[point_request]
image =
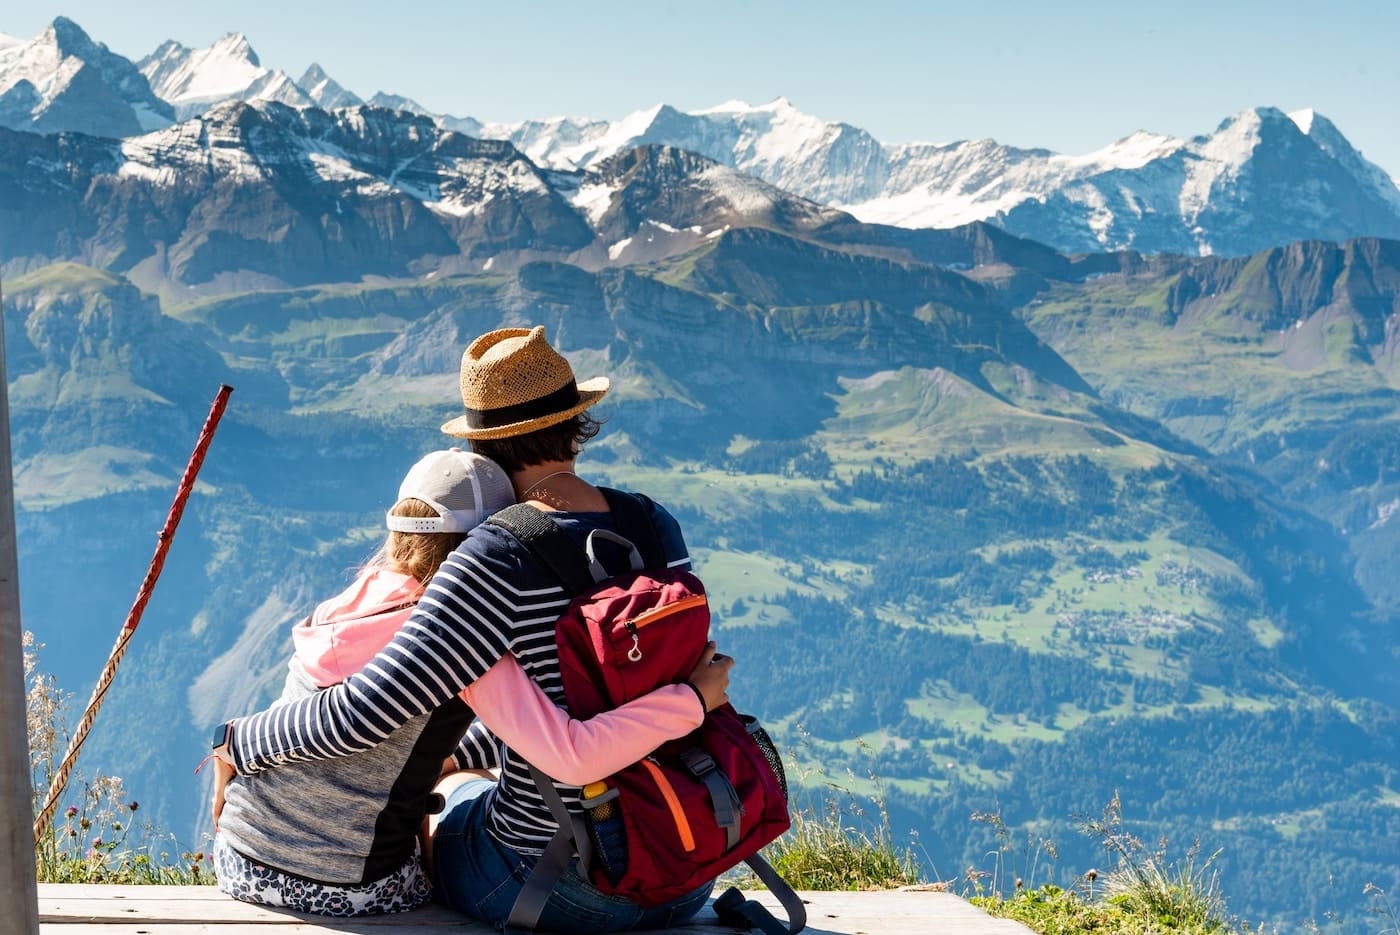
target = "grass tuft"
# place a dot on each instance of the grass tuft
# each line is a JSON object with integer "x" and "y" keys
{"x": 836, "y": 841}
{"x": 1146, "y": 893}
{"x": 95, "y": 836}
{"x": 824, "y": 850}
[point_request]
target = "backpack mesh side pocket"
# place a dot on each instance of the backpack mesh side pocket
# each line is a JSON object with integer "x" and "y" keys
{"x": 765, "y": 745}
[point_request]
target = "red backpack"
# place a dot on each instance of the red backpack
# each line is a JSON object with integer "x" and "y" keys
{"x": 694, "y": 807}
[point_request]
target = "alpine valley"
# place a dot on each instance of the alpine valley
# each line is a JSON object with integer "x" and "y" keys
{"x": 1017, "y": 480}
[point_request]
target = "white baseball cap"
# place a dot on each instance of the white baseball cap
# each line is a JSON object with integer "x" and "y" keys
{"x": 462, "y": 486}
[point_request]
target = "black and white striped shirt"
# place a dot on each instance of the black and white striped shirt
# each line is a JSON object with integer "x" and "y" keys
{"x": 491, "y": 597}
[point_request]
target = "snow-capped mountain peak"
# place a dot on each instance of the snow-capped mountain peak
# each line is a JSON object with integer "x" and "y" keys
{"x": 734, "y": 107}
{"x": 235, "y": 47}
{"x": 325, "y": 90}
{"x": 193, "y": 80}
{"x": 466, "y": 125}
{"x": 626, "y": 132}
{"x": 68, "y": 37}
{"x": 728, "y": 107}
{"x": 1240, "y": 132}
{"x": 63, "y": 80}
{"x": 1131, "y": 152}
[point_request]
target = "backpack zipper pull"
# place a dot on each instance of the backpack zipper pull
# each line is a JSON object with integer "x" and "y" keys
{"x": 635, "y": 653}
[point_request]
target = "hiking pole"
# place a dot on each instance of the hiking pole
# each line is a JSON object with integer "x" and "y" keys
{"x": 143, "y": 595}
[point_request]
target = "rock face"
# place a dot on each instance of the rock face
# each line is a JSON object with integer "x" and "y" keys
{"x": 266, "y": 194}
{"x": 270, "y": 193}
{"x": 63, "y": 80}
{"x": 1262, "y": 179}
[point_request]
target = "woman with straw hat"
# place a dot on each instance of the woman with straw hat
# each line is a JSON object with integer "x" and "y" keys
{"x": 523, "y": 409}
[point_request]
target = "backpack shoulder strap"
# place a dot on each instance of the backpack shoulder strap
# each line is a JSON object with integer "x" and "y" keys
{"x": 549, "y": 544}
{"x": 734, "y": 910}
{"x": 632, "y": 518}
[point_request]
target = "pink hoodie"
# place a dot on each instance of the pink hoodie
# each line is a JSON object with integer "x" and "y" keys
{"x": 346, "y": 631}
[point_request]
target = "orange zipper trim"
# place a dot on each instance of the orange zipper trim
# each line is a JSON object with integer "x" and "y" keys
{"x": 665, "y": 610}
{"x": 673, "y": 803}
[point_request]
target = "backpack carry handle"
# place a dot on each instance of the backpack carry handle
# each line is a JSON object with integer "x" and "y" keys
{"x": 595, "y": 567}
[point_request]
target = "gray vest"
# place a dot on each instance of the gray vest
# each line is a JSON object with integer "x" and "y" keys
{"x": 349, "y": 820}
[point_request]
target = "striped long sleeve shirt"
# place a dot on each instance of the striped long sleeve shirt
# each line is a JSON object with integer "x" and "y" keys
{"x": 490, "y": 598}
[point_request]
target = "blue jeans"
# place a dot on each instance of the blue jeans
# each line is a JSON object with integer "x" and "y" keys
{"x": 480, "y": 877}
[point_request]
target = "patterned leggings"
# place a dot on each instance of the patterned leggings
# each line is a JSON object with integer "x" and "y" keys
{"x": 251, "y": 882}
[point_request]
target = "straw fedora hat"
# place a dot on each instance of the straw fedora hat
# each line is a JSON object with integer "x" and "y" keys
{"x": 513, "y": 382}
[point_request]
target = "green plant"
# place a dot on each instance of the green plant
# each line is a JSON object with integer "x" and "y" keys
{"x": 1384, "y": 908}
{"x": 825, "y": 850}
{"x": 1051, "y": 910}
{"x": 90, "y": 838}
{"x": 1007, "y": 855}
{"x": 1182, "y": 896}
{"x": 834, "y": 843}
{"x": 1146, "y": 893}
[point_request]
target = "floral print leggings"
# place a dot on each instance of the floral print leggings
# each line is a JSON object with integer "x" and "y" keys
{"x": 251, "y": 882}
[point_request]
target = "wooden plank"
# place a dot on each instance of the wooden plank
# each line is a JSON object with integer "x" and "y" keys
{"x": 143, "y": 905}
{"x": 348, "y": 927}
{"x": 105, "y": 891}
{"x": 175, "y": 910}
{"x": 909, "y": 911}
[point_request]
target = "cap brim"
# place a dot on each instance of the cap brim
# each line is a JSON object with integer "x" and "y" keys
{"x": 589, "y": 392}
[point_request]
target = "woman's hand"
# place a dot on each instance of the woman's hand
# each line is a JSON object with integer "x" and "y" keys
{"x": 711, "y": 677}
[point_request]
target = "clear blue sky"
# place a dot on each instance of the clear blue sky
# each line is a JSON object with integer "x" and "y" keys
{"x": 1069, "y": 76}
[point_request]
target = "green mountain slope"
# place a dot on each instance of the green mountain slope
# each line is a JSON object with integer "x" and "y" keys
{"x": 923, "y": 528}
{"x": 1285, "y": 362}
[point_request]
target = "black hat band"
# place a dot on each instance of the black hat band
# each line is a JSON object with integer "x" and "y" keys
{"x": 566, "y": 397}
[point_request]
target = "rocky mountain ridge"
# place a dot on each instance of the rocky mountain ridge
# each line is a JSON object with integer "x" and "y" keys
{"x": 1261, "y": 179}
{"x": 1233, "y": 191}
{"x": 262, "y": 193}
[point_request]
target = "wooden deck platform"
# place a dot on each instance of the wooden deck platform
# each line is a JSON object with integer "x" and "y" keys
{"x": 69, "y": 909}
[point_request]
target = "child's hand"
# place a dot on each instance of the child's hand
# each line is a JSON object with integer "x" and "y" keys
{"x": 223, "y": 773}
{"x": 711, "y": 677}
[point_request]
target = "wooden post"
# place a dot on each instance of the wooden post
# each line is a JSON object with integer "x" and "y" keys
{"x": 16, "y": 802}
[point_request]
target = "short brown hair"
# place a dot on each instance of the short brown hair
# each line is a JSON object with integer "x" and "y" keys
{"x": 559, "y": 442}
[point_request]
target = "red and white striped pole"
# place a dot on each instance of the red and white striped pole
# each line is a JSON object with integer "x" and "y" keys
{"x": 143, "y": 595}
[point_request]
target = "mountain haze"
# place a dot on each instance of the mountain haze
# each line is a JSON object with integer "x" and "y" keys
{"x": 1080, "y": 572}
{"x": 1015, "y": 528}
